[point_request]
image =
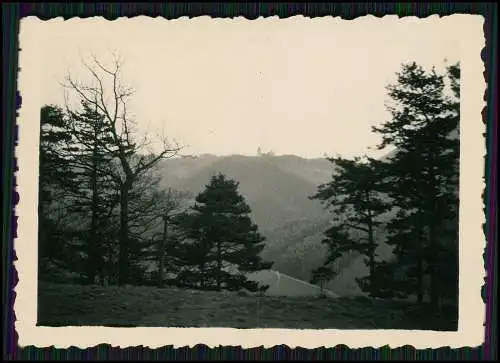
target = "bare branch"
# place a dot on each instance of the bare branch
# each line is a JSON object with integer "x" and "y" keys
{"x": 118, "y": 120}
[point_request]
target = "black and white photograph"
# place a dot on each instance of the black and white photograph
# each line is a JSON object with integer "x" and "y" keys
{"x": 268, "y": 174}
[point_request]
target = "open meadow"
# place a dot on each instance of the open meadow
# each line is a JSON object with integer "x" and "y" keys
{"x": 74, "y": 305}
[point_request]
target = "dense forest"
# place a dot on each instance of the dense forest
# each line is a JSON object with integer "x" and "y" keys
{"x": 413, "y": 195}
{"x": 106, "y": 218}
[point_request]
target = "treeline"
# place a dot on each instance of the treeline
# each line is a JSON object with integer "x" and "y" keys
{"x": 412, "y": 196}
{"x": 103, "y": 216}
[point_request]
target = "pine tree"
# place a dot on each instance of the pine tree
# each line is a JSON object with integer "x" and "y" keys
{"x": 353, "y": 200}
{"x": 97, "y": 192}
{"x": 225, "y": 243}
{"x": 421, "y": 175}
{"x": 447, "y": 260}
{"x": 56, "y": 183}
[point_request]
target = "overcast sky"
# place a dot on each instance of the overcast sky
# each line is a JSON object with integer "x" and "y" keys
{"x": 292, "y": 86}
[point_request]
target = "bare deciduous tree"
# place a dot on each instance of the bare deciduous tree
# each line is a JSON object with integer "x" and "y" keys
{"x": 105, "y": 91}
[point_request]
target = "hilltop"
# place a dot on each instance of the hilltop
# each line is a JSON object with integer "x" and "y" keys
{"x": 276, "y": 187}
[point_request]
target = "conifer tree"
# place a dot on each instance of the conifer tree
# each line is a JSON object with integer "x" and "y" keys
{"x": 447, "y": 259}
{"x": 56, "y": 182}
{"x": 422, "y": 176}
{"x": 353, "y": 200}
{"x": 97, "y": 192}
{"x": 226, "y": 243}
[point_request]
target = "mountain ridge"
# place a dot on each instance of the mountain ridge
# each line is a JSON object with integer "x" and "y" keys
{"x": 275, "y": 194}
{"x": 277, "y": 189}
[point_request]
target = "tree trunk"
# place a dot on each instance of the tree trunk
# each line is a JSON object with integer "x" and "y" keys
{"x": 41, "y": 233}
{"x": 433, "y": 243}
{"x": 124, "y": 247}
{"x": 219, "y": 266}
{"x": 372, "y": 260}
{"x": 163, "y": 244}
{"x": 371, "y": 244}
{"x": 420, "y": 272}
{"x": 434, "y": 275}
{"x": 93, "y": 257}
{"x": 202, "y": 276}
{"x": 109, "y": 268}
{"x": 420, "y": 282}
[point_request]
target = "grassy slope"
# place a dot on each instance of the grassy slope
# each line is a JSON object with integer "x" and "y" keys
{"x": 62, "y": 305}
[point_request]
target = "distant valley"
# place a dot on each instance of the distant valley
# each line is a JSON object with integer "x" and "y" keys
{"x": 277, "y": 188}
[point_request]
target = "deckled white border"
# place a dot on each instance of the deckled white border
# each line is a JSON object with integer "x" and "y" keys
{"x": 469, "y": 34}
